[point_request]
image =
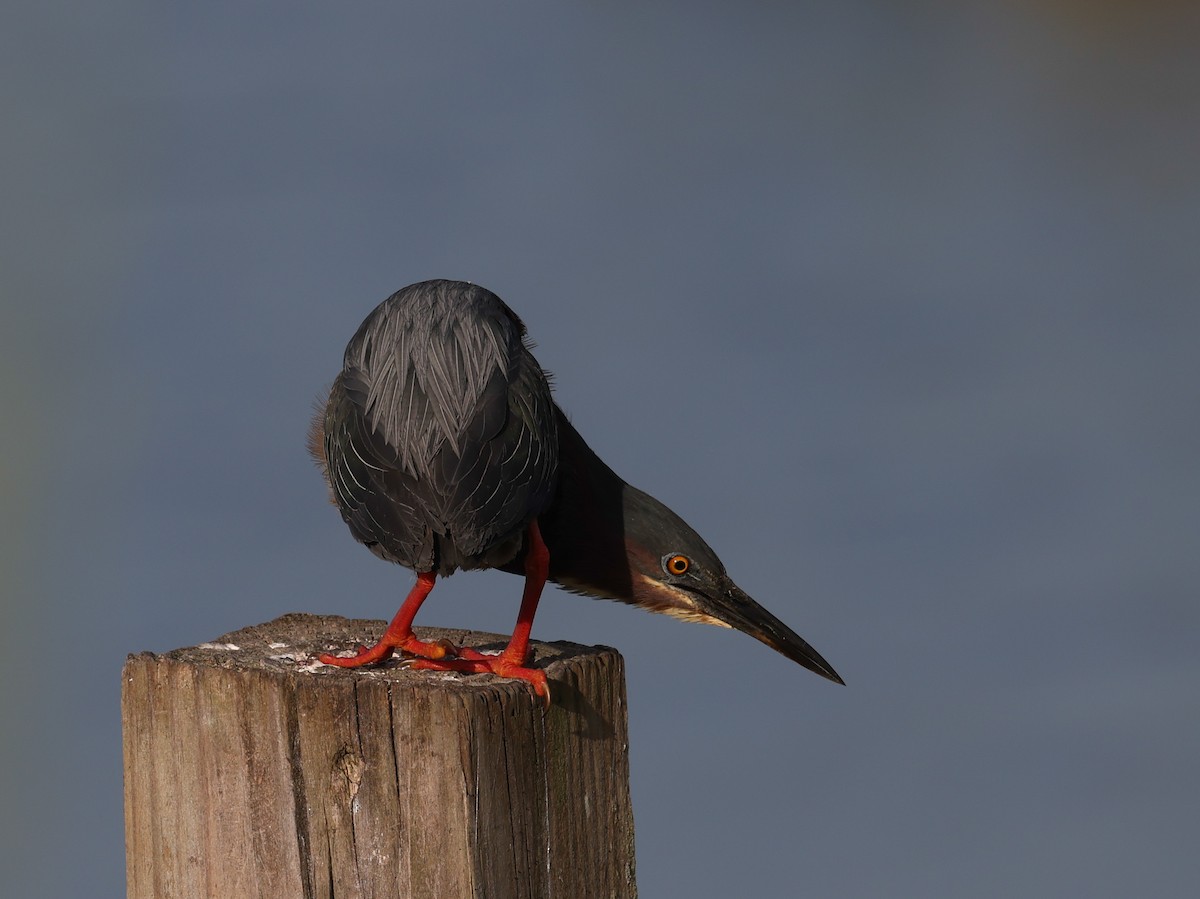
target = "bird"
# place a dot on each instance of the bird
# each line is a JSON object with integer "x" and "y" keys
{"x": 444, "y": 450}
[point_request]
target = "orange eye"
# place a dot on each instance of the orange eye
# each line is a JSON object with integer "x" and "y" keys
{"x": 676, "y": 564}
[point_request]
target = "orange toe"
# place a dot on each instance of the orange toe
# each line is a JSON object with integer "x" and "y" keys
{"x": 497, "y": 665}
{"x": 384, "y": 649}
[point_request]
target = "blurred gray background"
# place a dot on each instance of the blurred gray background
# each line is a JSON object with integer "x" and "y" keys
{"x": 896, "y": 303}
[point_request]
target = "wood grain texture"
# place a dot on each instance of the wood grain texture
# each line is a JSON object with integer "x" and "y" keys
{"x": 253, "y": 771}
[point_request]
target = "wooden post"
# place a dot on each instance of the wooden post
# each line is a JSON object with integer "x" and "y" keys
{"x": 253, "y": 771}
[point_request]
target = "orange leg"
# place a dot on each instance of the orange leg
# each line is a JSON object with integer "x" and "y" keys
{"x": 399, "y": 634}
{"x": 511, "y": 662}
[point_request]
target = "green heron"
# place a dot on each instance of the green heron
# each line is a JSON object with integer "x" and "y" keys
{"x": 443, "y": 449}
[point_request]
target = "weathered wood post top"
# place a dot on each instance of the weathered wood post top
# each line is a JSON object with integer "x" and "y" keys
{"x": 251, "y": 770}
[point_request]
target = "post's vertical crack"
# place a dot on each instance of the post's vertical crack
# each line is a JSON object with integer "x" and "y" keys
{"x": 299, "y": 792}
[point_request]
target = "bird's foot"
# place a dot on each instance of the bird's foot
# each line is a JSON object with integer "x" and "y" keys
{"x": 381, "y": 651}
{"x": 473, "y": 662}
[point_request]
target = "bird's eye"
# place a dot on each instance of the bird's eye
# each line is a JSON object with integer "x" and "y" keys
{"x": 676, "y": 564}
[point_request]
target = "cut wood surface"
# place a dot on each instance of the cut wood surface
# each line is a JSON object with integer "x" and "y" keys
{"x": 251, "y": 770}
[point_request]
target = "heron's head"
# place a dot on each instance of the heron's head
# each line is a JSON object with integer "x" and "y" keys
{"x": 674, "y": 571}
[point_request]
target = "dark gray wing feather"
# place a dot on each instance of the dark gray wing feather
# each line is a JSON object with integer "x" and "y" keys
{"x": 440, "y": 435}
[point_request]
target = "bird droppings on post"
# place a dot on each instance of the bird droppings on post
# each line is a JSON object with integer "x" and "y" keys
{"x": 443, "y": 450}
{"x": 311, "y": 636}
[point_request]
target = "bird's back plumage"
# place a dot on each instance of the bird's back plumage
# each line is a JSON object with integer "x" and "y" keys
{"x": 439, "y": 438}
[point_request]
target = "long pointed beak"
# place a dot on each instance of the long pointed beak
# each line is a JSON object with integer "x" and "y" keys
{"x": 738, "y": 610}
